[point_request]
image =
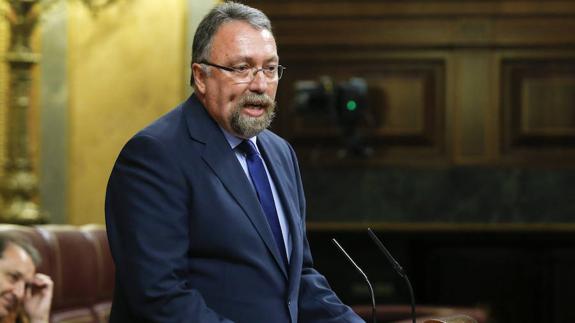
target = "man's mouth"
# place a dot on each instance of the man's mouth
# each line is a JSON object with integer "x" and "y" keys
{"x": 254, "y": 109}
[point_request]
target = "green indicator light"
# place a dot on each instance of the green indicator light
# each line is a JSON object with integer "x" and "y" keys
{"x": 351, "y": 105}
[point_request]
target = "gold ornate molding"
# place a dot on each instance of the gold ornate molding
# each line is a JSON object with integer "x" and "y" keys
{"x": 19, "y": 184}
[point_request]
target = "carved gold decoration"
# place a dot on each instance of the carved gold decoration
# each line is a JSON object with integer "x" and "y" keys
{"x": 19, "y": 185}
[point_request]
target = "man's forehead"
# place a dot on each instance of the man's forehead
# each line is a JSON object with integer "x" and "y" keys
{"x": 16, "y": 259}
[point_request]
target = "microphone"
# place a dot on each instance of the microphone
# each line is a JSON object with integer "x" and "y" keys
{"x": 397, "y": 268}
{"x": 373, "y": 314}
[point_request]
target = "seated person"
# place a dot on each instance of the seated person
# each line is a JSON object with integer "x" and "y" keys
{"x": 25, "y": 296}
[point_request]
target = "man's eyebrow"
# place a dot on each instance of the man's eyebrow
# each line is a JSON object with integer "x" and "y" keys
{"x": 15, "y": 274}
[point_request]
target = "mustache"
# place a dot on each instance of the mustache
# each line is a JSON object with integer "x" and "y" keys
{"x": 261, "y": 100}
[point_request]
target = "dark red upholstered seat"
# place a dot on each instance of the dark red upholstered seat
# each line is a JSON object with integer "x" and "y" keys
{"x": 78, "y": 260}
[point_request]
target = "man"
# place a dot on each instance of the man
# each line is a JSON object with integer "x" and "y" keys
{"x": 22, "y": 290}
{"x": 203, "y": 225}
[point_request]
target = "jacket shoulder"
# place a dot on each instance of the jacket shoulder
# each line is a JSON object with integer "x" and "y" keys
{"x": 165, "y": 127}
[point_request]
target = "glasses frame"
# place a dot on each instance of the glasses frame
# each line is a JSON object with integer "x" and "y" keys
{"x": 280, "y": 70}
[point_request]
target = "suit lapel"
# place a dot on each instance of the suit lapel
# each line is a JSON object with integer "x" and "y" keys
{"x": 219, "y": 156}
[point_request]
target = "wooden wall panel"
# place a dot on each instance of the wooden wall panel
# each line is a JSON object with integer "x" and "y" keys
{"x": 452, "y": 82}
{"x": 406, "y": 104}
{"x": 538, "y": 109}
{"x": 547, "y": 106}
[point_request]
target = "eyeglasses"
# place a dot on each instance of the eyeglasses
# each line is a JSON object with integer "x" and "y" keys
{"x": 246, "y": 73}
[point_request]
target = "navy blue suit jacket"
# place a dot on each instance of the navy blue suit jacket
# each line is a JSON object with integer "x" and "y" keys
{"x": 190, "y": 240}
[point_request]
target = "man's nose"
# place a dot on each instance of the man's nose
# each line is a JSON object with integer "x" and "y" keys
{"x": 19, "y": 289}
{"x": 259, "y": 84}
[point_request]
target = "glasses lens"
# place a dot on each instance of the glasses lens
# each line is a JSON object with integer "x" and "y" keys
{"x": 247, "y": 75}
{"x": 243, "y": 75}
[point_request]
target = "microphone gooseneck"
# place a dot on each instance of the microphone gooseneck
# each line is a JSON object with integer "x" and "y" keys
{"x": 397, "y": 268}
{"x": 373, "y": 313}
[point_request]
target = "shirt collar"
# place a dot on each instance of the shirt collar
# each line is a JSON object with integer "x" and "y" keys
{"x": 235, "y": 141}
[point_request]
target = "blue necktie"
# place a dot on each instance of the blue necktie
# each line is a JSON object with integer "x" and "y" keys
{"x": 259, "y": 178}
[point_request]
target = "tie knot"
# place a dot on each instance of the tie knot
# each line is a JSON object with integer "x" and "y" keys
{"x": 247, "y": 147}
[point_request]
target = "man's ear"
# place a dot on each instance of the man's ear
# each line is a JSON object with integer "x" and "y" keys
{"x": 199, "y": 75}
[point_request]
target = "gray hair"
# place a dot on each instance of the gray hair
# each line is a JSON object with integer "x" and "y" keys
{"x": 7, "y": 239}
{"x": 219, "y": 15}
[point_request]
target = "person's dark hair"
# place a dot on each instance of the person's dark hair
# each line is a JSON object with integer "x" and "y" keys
{"x": 219, "y": 15}
{"x": 7, "y": 238}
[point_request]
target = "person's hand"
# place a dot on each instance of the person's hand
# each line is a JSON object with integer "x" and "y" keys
{"x": 38, "y": 298}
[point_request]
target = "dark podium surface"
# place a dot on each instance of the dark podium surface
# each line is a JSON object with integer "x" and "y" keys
{"x": 517, "y": 275}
